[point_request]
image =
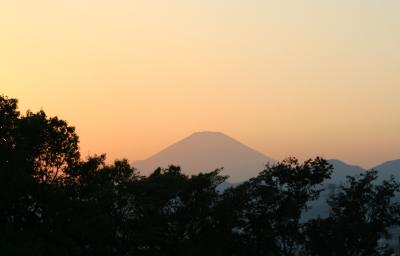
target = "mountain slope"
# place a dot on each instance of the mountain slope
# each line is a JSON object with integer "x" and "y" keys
{"x": 206, "y": 151}
{"x": 341, "y": 170}
{"x": 388, "y": 169}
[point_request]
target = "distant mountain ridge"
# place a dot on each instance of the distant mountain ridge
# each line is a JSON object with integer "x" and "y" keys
{"x": 385, "y": 170}
{"x": 388, "y": 169}
{"x": 341, "y": 170}
{"x": 206, "y": 151}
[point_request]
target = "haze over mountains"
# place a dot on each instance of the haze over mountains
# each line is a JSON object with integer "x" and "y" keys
{"x": 207, "y": 151}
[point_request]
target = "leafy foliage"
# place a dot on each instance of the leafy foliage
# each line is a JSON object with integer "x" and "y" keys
{"x": 54, "y": 203}
{"x": 360, "y": 215}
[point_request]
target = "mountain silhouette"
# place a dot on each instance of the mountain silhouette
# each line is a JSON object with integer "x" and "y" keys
{"x": 207, "y": 151}
{"x": 385, "y": 171}
{"x": 388, "y": 169}
{"x": 341, "y": 170}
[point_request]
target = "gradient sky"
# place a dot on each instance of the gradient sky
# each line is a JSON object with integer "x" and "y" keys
{"x": 299, "y": 77}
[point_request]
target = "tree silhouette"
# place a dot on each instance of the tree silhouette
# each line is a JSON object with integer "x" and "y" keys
{"x": 271, "y": 205}
{"x": 175, "y": 212}
{"x": 361, "y": 214}
{"x": 52, "y": 202}
{"x": 36, "y": 152}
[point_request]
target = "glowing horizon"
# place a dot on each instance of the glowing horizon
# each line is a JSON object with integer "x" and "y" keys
{"x": 301, "y": 78}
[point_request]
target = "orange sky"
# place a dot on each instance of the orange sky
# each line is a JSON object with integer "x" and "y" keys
{"x": 300, "y": 78}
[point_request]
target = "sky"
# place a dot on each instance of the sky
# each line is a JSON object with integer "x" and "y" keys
{"x": 288, "y": 78}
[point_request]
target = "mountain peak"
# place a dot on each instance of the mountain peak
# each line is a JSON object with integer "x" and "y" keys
{"x": 206, "y": 151}
{"x": 208, "y": 133}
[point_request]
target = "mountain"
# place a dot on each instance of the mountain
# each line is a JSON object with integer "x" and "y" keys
{"x": 341, "y": 170}
{"x": 207, "y": 151}
{"x": 387, "y": 169}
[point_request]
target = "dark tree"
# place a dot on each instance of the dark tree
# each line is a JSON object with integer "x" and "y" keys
{"x": 269, "y": 207}
{"x": 99, "y": 208}
{"x": 36, "y": 153}
{"x": 54, "y": 203}
{"x": 174, "y": 212}
{"x": 361, "y": 214}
